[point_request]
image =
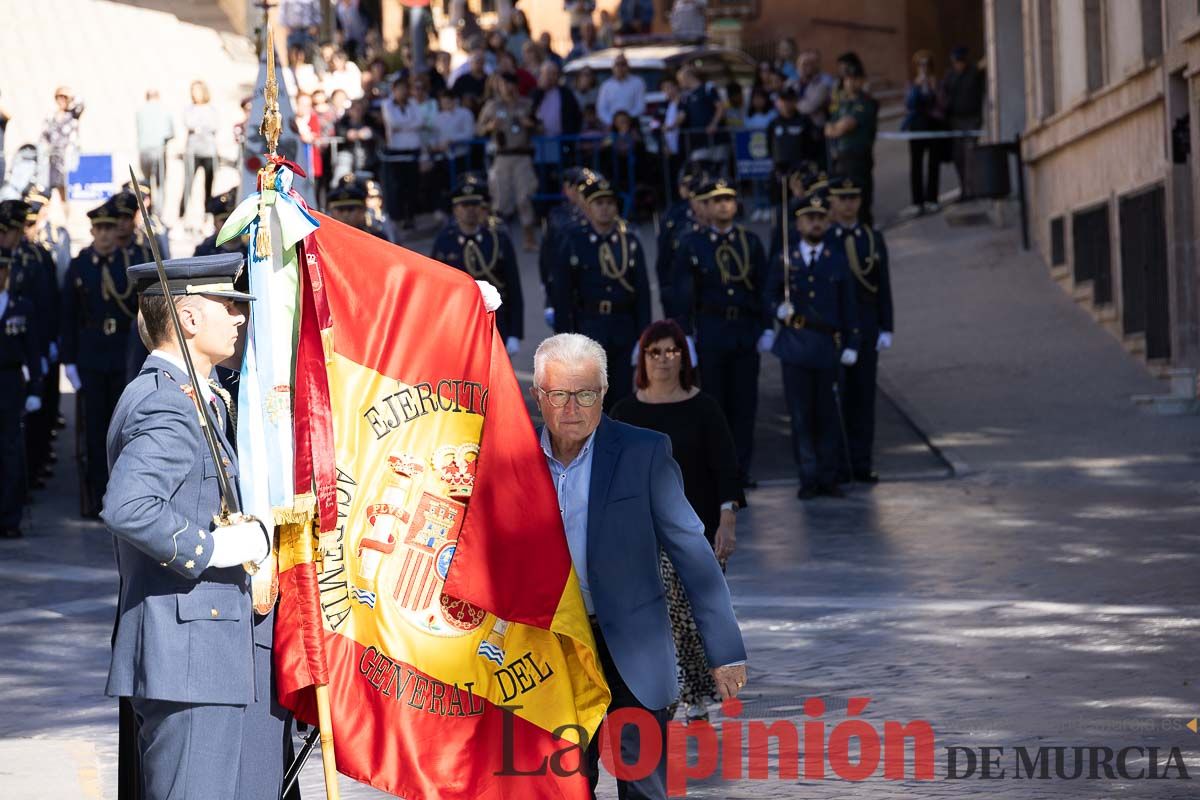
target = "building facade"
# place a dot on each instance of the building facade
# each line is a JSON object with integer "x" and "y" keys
{"x": 1103, "y": 91}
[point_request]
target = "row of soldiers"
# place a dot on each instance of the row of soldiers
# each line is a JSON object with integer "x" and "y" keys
{"x": 819, "y": 299}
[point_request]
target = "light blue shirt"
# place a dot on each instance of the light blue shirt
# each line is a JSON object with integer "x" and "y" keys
{"x": 572, "y": 483}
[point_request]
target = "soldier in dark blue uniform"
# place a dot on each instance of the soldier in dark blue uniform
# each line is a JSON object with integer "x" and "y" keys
{"x": 601, "y": 287}
{"x": 220, "y": 206}
{"x": 480, "y": 247}
{"x": 98, "y": 311}
{"x": 53, "y": 240}
{"x": 562, "y": 218}
{"x": 867, "y": 257}
{"x": 819, "y": 329}
{"x": 679, "y": 220}
{"x": 18, "y": 356}
{"x": 347, "y": 203}
{"x": 130, "y": 237}
{"x": 720, "y": 277}
{"x": 31, "y": 277}
{"x": 161, "y": 232}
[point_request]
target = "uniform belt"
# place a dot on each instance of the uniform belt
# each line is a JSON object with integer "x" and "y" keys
{"x": 608, "y": 307}
{"x": 109, "y": 325}
{"x": 800, "y": 322}
{"x": 730, "y": 313}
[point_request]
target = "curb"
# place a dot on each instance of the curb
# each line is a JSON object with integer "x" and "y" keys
{"x": 948, "y": 455}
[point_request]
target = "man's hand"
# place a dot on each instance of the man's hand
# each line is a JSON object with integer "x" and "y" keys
{"x": 766, "y": 341}
{"x": 884, "y": 341}
{"x": 729, "y": 680}
{"x": 73, "y": 376}
{"x": 491, "y": 295}
{"x": 725, "y": 540}
{"x": 33, "y": 404}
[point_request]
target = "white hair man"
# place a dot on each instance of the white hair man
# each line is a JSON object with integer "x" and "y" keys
{"x": 614, "y": 546}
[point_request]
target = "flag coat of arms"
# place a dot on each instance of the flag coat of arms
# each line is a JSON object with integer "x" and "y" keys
{"x": 435, "y": 593}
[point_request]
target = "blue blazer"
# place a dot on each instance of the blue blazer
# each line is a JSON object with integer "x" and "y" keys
{"x": 184, "y": 632}
{"x": 636, "y": 506}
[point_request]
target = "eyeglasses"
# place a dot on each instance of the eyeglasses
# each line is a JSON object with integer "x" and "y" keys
{"x": 585, "y": 398}
{"x": 671, "y": 353}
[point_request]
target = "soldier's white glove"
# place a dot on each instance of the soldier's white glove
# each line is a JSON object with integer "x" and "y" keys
{"x": 692, "y": 350}
{"x": 513, "y": 345}
{"x": 548, "y": 315}
{"x": 234, "y": 545}
{"x": 45, "y": 365}
{"x": 766, "y": 341}
{"x": 491, "y": 295}
{"x": 54, "y": 351}
{"x": 33, "y": 404}
{"x": 633, "y": 357}
{"x": 884, "y": 341}
{"x": 849, "y": 357}
{"x": 72, "y": 376}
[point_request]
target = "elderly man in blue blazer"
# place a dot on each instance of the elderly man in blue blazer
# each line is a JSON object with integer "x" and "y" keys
{"x": 621, "y": 498}
{"x": 185, "y": 649}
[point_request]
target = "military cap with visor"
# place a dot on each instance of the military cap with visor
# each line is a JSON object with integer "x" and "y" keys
{"x": 213, "y": 276}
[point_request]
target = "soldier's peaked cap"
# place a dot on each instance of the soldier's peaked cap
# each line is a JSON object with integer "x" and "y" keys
{"x": 844, "y": 187}
{"x": 470, "y": 190}
{"x": 595, "y": 188}
{"x": 813, "y": 203}
{"x": 716, "y": 188}
{"x": 213, "y": 275}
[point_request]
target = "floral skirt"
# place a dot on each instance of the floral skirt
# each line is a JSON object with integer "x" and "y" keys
{"x": 696, "y": 686}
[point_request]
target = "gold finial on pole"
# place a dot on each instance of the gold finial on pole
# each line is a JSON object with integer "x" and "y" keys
{"x": 272, "y": 121}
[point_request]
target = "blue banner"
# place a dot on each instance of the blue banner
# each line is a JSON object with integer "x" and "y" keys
{"x": 753, "y": 154}
{"x": 92, "y": 179}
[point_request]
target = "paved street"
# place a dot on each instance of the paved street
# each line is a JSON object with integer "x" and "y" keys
{"x": 1043, "y": 595}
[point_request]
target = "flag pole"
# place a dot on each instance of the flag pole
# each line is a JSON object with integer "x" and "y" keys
{"x": 270, "y": 128}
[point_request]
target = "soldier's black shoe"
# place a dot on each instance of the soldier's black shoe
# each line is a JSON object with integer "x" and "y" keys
{"x": 806, "y": 493}
{"x": 866, "y": 476}
{"x": 833, "y": 490}
{"x": 749, "y": 483}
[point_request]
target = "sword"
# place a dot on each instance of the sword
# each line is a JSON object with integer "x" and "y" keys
{"x": 786, "y": 310}
{"x": 231, "y": 507}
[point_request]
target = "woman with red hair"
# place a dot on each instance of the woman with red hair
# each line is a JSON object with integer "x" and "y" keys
{"x": 667, "y": 400}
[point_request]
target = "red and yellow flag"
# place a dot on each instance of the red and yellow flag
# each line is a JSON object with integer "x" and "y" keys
{"x": 440, "y": 590}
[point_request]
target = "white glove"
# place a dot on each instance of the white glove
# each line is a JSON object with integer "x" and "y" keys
{"x": 54, "y": 351}
{"x": 45, "y": 365}
{"x": 234, "y": 545}
{"x": 73, "y": 376}
{"x": 491, "y": 295}
{"x": 849, "y": 357}
{"x": 512, "y": 344}
{"x": 884, "y": 341}
{"x": 637, "y": 348}
{"x": 548, "y": 315}
{"x": 33, "y": 404}
{"x": 784, "y": 311}
{"x": 692, "y": 350}
{"x": 766, "y": 341}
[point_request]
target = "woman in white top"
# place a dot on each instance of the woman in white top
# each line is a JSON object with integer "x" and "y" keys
{"x": 200, "y": 152}
{"x": 402, "y": 125}
{"x": 345, "y": 75}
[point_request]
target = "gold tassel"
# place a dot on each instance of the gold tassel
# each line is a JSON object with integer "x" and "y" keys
{"x": 262, "y": 239}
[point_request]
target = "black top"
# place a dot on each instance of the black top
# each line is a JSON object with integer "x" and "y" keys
{"x": 702, "y": 446}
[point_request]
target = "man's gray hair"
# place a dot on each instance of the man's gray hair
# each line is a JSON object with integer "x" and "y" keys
{"x": 571, "y": 349}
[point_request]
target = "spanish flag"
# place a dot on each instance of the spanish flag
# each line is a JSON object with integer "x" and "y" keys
{"x": 435, "y": 594}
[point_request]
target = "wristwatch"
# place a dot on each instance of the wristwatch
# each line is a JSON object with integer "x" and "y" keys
{"x": 730, "y": 505}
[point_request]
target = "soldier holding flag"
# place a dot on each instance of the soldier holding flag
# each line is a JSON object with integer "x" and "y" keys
{"x": 184, "y": 650}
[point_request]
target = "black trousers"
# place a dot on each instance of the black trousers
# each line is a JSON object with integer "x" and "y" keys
{"x": 654, "y": 785}
{"x": 101, "y": 391}
{"x": 858, "y": 401}
{"x": 12, "y": 448}
{"x": 924, "y": 169}
{"x": 811, "y": 402}
{"x": 206, "y": 163}
{"x": 731, "y": 376}
{"x": 401, "y": 189}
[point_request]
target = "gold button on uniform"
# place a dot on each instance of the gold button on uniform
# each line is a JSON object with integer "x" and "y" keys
{"x": 189, "y": 564}
{"x": 812, "y": 294}
{"x": 216, "y": 613}
{"x": 199, "y": 549}
{"x": 730, "y": 291}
